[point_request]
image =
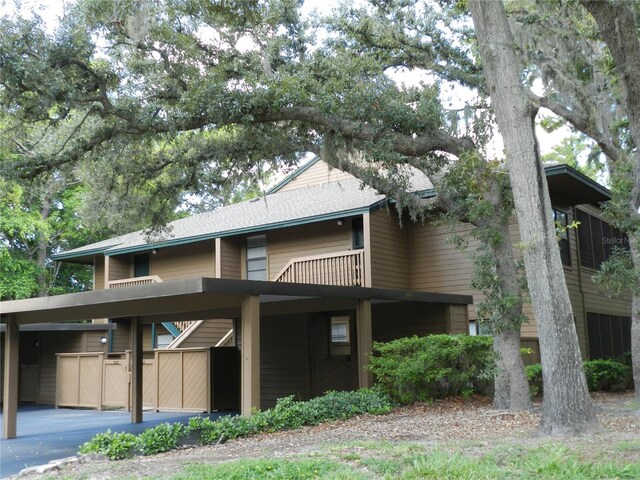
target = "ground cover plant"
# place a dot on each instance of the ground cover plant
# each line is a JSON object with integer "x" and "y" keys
{"x": 287, "y": 414}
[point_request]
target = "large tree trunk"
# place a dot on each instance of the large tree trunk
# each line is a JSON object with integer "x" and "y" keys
{"x": 618, "y": 26}
{"x": 511, "y": 385}
{"x": 567, "y": 406}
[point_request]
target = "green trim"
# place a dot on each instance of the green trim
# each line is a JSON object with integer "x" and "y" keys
{"x": 561, "y": 169}
{"x": 153, "y": 336}
{"x": 293, "y": 176}
{"x": 83, "y": 253}
{"x": 242, "y": 231}
{"x": 173, "y": 330}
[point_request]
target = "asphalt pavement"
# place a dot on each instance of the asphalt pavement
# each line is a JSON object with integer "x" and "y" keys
{"x": 46, "y": 433}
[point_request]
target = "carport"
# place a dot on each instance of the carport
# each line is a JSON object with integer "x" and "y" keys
{"x": 199, "y": 298}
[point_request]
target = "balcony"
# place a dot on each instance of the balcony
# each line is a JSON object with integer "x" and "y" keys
{"x": 342, "y": 269}
{"x": 133, "y": 282}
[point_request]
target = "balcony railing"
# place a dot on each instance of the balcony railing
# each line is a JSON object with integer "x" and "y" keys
{"x": 341, "y": 268}
{"x": 132, "y": 282}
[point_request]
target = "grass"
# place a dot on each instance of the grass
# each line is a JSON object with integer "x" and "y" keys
{"x": 365, "y": 460}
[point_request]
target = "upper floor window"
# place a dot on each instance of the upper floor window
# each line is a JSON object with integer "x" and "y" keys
{"x": 357, "y": 233}
{"x": 597, "y": 239}
{"x": 562, "y": 233}
{"x": 257, "y": 257}
{"x": 141, "y": 266}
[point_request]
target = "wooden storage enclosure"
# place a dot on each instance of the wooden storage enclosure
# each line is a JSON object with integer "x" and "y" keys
{"x": 193, "y": 379}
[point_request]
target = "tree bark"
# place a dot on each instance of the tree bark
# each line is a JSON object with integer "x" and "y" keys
{"x": 511, "y": 384}
{"x": 567, "y": 406}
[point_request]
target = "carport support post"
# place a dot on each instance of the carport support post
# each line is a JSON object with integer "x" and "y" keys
{"x": 136, "y": 370}
{"x": 10, "y": 405}
{"x": 365, "y": 342}
{"x": 250, "y": 328}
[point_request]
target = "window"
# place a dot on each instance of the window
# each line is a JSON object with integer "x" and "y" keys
{"x": 560, "y": 219}
{"x": 473, "y": 328}
{"x": 357, "y": 233}
{"x": 609, "y": 335}
{"x": 257, "y": 257}
{"x": 163, "y": 340}
{"x": 141, "y": 265}
{"x": 340, "y": 329}
{"x": 597, "y": 239}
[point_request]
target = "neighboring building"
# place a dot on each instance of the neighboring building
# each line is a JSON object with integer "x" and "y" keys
{"x": 319, "y": 226}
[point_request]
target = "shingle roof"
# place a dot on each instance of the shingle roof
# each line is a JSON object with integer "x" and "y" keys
{"x": 292, "y": 207}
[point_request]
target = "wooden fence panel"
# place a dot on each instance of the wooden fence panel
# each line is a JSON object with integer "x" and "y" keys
{"x": 196, "y": 389}
{"x": 116, "y": 383}
{"x": 149, "y": 383}
{"x": 79, "y": 380}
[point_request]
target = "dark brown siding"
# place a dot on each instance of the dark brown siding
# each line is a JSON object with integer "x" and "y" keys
{"x": 283, "y": 358}
{"x": 391, "y": 320}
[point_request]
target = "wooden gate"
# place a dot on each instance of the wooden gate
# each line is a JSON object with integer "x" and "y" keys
{"x": 79, "y": 380}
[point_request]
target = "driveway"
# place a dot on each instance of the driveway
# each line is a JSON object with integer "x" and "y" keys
{"x": 46, "y": 433}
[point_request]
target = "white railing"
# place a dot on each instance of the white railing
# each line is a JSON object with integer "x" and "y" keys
{"x": 227, "y": 340}
{"x": 132, "y": 282}
{"x": 341, "y": 268}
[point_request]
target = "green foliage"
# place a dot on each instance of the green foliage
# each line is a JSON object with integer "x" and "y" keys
{"x": 436, "y": 366}
{"x": 289, "y": 414}
{"x": 160, "y": 438}
{"x": 607, "y": 375}
{"x": 617, "y": 273}
{"x": 114, "y": 446}
{"x": 602, "y": 375}
{"x": 534, "y": 375}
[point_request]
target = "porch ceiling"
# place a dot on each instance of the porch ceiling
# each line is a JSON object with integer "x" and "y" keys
{"x": 201, "y": 298}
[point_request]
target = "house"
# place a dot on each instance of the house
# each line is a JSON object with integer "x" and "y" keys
{"x": 301, "y": 280}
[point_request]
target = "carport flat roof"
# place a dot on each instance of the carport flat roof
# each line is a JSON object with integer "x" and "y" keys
{"x": 200, "y": 298}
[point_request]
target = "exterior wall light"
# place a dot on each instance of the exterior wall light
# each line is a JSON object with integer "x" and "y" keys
{"x": 103, "y": 340}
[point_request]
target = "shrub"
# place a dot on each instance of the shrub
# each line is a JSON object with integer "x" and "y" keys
{"x": 160, "y": 438}
{"x": 114, "y": 446}
{"x": 607, "y": 375}
{"x": 435, "y": 366}
{"x": 602, "y": 375}
{"x": 287, "y": 414}
{"x": 534, "y": 375}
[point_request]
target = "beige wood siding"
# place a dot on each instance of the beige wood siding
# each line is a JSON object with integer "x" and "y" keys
{"x": 119, "y": 267}
{"x": 389, "y": 251}
{"x": 313, "y": 239}
{"x": 391, "y": 320}
{"x": 184, "y": 261}
{"x": 284, "y": 367}
{"x": 317, "y": 174}
{"x": 120, "y": 336}
{"x": 208, "y": 333}
{"x": 98, "y": 273}
{"x": 230, "y": 258}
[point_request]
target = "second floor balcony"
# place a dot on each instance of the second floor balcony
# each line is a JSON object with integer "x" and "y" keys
{"x": 341, "y": 268}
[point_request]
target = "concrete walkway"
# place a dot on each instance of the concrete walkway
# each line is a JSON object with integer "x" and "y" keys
{"x": 46, "y": 433}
